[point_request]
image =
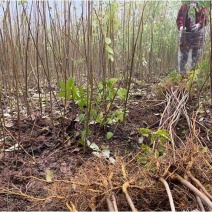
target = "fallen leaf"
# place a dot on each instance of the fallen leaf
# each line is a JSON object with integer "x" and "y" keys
{"x": 106, "y": 153}
{"x": 7, "y": 115}
{"x": 201, "y": 119}
{"x": 112, "y": 160}
{"x": 75, "y": 150}
{"x": 9, "y": 124}
{"x": 141, "y": 139}
{"x": 49, "y": 175}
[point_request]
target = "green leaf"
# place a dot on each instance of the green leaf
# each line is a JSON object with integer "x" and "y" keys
{"x": 82, "y": 117}
{"x": 142, "y": 159}
{"x": 107, "y": 40}
{"x": 100, "y": 117}
{"x": 109, "y": 135}
{"x": 145, "y": 132}
{"x": 154, "y": 137}
{"x": 119, "y": 115}
{"x": 81, "y": 103}
{"x": 74, "y": 92}
{"x": 201, "y": 82}
{"x": 83, "y": 134}
{"x": 110, "y": 57}
{"x": 164, "y": 134}
{"x": 62, "y": 94}
{"x": 70, "y": 83}
{"x": 146, "y": 148}
{"x": 122, "y": 92}
{"x": 81, "y": 91}
{"x": 111, "y": 81}
{"x": 62, "y": 85}
{"x": 109, "y": 49}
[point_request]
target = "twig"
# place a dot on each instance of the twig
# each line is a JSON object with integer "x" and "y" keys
{"x": 202, "y": 196}
{"x": 168, "y": 192}
{"x": 175, "y": 106}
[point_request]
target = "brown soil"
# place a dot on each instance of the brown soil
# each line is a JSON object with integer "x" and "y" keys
{"x": 80, "y": 178}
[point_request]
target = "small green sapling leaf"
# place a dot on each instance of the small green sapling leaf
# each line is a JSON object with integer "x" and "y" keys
{"x": 109, "y": 135}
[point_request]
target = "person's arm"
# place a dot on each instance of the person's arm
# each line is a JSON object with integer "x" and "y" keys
{"x": 203, "y": 18}
{"x": 181, "y": 17}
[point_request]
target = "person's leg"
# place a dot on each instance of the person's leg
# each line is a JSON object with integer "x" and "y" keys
{"x": 182, "y": 60}
{"x": 197, "y": 48}
{"x": 195, "y": 57}
{"x": 183, "y": 53}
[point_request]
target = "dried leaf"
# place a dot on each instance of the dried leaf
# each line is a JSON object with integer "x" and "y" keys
{"x": 12, "y": 148}
{"x": 106, "y": 153}
{"x": 49, "y": 175}
{"x": 141, "y": 140}
{"x": 9, "y": 124}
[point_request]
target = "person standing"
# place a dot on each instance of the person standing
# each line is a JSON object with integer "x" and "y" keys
{"x": 191, "y": 20}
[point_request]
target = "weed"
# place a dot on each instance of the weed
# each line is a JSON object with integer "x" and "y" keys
{"x": 102, "y": 109}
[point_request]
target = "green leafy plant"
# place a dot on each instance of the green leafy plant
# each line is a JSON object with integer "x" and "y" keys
{"x": 174, "y": 77}
{"x": 102, "y": 109}
{"x": 109, "y": 135}
{"x": 160, "y": 137}
{"x": 145, "y": 132}
{"x": 109, "y": 49}
{"x": 107, "y": 92}
{"x": 197, "y": 78}
{"x": 147, "y": 154}
{"x": 110, "y": 91}
{"x": 70, "y": 91}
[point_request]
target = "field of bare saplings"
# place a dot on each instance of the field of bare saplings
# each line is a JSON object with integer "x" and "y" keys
{"x": 94, "y": 114}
